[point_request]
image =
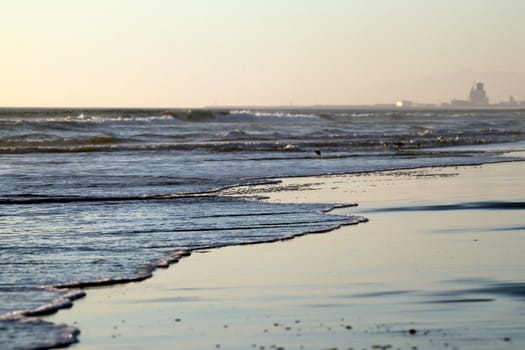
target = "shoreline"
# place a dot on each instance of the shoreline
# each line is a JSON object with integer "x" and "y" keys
{"x": 324, "y": 189}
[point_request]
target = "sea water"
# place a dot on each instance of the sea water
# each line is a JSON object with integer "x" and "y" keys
{"x": 95, "y": 197}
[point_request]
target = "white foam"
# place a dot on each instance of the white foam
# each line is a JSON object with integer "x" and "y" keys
{"x": 274, "y": 115}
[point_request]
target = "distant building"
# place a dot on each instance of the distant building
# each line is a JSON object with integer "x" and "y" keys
{"x": 510, "y": 103}
{"x": 404, "y": 104}
{"x": 460, "y": 103}
{"x": 478, "y": 96}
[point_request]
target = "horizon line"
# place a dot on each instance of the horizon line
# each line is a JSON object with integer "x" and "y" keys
{"x": 287, "y": 107}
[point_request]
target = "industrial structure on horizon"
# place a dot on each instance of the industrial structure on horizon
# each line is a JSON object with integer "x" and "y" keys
{"x": 477, "y": 99}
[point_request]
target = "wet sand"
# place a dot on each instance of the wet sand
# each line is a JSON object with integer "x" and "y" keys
{"x": 440, "y": 265}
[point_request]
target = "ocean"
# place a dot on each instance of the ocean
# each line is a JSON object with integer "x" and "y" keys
{"x": 103, "y": 196}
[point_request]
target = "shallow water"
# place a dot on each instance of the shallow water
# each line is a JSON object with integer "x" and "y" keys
{"x": 103, "y": 196}
{"x": 451, "y": 272}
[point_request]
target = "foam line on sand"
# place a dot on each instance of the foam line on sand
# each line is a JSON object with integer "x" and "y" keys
{"x": 437, "y": 279}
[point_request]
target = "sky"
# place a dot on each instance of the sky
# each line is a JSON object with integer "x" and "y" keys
{"x": 192, "y": 53}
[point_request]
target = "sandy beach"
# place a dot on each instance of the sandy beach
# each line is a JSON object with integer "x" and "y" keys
{"x": 438, "y": 266}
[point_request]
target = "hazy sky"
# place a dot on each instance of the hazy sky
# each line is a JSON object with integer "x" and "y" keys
{"x": 184, "y": 53}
